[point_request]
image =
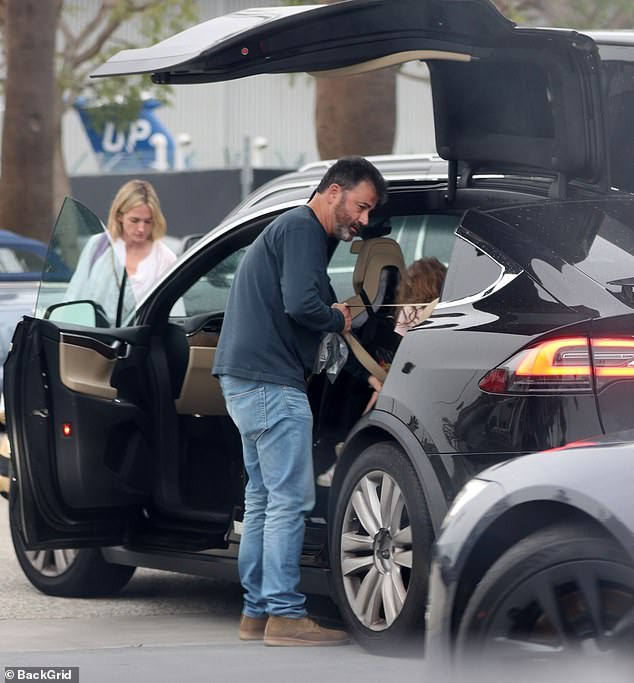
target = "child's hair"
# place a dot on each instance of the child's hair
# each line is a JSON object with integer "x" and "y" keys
{"x": 423, "y": 282}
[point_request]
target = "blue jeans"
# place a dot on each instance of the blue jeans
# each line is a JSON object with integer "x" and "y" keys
{"x": 275, "y": 423}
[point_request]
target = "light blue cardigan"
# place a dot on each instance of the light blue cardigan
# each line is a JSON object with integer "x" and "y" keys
{"x": 99, "y": 274}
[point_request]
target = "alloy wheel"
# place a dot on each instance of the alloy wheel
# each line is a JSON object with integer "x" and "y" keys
{"x": 376, "y": 550}
{"x": 563, "y": 590}
{"x": 585, "y": 606}
{"x": 51, "y": 563}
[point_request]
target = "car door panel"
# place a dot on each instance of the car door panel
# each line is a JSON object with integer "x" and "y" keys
{"x": 82, "y": 455}
{"x": 201, "y": 393}
{"x": 85, "y": 370}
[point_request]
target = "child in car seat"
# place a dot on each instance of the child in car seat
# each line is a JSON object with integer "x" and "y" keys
{"x": 420, "y": 287}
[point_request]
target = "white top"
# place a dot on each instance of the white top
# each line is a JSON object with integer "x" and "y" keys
{"x": 148, "y": 270}
{"x": 99, "y": 274}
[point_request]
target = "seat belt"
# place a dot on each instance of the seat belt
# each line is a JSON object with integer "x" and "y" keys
{"x": 364, "y": 357}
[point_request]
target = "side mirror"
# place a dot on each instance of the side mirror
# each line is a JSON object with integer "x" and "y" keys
{"x": 86, "y": 313}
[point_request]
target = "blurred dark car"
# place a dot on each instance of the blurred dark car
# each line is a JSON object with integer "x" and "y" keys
{"x": 121, "y": 442}
{"x": 536, "y": 560}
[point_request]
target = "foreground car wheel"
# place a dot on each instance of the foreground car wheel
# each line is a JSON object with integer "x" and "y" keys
{"x": 380, "y": 543}
{"x": 71, "y": 573}
{"x": 563, "y": 589}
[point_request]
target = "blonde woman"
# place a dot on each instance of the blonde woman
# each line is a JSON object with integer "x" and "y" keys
{"x": 130, "y": 255}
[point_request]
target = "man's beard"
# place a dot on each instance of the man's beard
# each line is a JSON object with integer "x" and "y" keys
{"x": 343, "y": 222}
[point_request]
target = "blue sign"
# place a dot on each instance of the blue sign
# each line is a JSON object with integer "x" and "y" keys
{"x": 145, "y": 145}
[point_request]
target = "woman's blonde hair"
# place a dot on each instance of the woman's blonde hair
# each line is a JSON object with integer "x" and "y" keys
{"x": 136, "y": 193}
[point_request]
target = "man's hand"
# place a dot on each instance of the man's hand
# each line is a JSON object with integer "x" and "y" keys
{"x": 346, "y": 314}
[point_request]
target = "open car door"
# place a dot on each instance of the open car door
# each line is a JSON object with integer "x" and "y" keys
{"x": 78, "y": 402}
{"x": 506, "y": 99}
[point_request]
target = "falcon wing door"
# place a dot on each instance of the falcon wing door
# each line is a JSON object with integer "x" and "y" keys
{"x": 506, "y": 99}
{"x": 77, "y": 403}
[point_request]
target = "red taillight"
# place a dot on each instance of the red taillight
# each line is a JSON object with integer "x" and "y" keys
{"x": 568, "y": 365}
{"x": 613, "y": 359}
{"x": 67, "y": 430}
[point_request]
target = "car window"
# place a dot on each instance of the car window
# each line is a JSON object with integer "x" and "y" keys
{"x": 618, "y": 92}
{"x": 70, "y": 273}
{"x": 426, "y": 235}
{"x": 608, "y": 256}
{"x": 210, "y": 292}
{"x": 15, "y": 261}
{"x": 206, "y": 278}
{"x": 470, "y": 272}
{"x": 418, "y": 236}
{"x": 21, "y": 258}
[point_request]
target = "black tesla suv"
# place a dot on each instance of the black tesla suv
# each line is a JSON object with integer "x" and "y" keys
{"x": 121, "y": 446}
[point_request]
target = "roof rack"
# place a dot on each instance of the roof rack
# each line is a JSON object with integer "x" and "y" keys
{"x": 384, "y": 161}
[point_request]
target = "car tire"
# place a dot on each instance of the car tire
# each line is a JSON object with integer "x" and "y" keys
{"x": 565, "y": 588}
{"x": 381, "y": 537}
{"x": 69, "y": 573}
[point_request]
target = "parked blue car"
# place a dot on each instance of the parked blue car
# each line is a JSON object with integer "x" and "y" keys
{"x": 21, "y": 262}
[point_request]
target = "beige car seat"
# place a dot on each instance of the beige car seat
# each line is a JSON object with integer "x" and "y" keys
{"x": 379, "y": 268}
{"x": 377, "y": 259}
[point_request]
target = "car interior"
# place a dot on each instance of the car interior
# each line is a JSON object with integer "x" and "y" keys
{"x": 197, "y": 467}
{"x": 364, "y": 273}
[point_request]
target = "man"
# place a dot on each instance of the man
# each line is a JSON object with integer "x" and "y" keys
{"x": 279, "y": 305}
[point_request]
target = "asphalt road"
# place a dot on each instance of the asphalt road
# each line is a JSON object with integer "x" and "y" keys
{"x": 163, "y": 627}
{"x": 166, "y": 627}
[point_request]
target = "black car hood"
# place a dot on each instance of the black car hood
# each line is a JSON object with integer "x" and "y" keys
{"x": 505, "y": 98}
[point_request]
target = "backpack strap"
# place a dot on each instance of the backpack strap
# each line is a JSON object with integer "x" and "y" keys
{"x": 102, "y": 244}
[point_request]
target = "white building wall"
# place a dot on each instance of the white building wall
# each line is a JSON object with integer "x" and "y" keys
{"x": 279, "y": 108}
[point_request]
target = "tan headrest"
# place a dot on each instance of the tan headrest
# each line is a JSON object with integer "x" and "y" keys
{"x": 374, "y": 255}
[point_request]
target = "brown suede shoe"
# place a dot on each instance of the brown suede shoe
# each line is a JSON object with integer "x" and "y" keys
{"x": 252, "y": 628}
{"x": 287, "y": 632}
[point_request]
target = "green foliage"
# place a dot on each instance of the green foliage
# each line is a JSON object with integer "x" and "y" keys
{"x": 604, "y": 14}
{"x": 579, "y": 14}
{"x": 117, "y": 99}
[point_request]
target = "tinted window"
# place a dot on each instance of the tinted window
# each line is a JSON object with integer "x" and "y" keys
{"x": 428, "y": 235}
{"x": 470, "y": 272}
{"x": 597, "y": 237}
{"x": 75, "y": 226}
{"x": 618, "y": 90}
{"x": 209, "y": 293}
{"x": 609, "y": 257}
{"x": 15, "y": 260}
{"x": 418, "y": 236}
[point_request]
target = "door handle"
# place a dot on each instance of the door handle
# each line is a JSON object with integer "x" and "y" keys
{"x": 113, "y": 351}
{"x": 120, "y": 349}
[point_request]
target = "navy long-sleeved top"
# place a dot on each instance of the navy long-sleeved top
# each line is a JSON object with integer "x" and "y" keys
{"x": 279, "y": 304}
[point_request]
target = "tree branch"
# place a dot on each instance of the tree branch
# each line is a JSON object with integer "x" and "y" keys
{"x": 113, "y": 23}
